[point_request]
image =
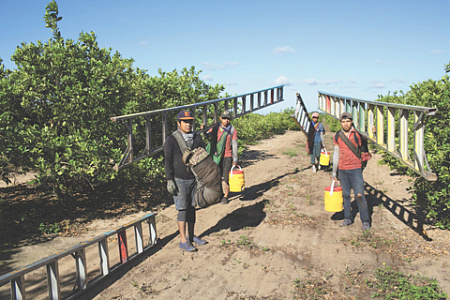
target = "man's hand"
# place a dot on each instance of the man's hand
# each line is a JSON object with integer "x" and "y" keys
{"x": 171, "y": 187}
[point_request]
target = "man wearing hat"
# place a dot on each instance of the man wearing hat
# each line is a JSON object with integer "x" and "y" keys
{"x": 348, "y": 165}
{"x": 181, "y": 181}
{"x": 317, "y": 141}
{"x": 223, "y": 148}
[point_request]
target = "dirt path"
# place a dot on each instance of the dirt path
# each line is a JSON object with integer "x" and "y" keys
{"x": 277, "y": 234}
{"x": 276, "y": 241}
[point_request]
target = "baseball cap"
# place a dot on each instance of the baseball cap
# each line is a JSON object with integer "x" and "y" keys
{"x": 184, "y": 115}
{"x": 315, "y": 114}
{"x": 346, "y": 115}
{"x": 226, "y": 114}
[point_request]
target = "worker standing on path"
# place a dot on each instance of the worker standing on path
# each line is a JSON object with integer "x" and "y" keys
{"x": 348, "y": 166}
{"x": 223, "y": 148}
{"x": 317, "y": 143}
{"x": 181, "y": 182}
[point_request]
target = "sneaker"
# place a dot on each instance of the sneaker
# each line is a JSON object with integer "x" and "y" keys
{"x": 366, "y": 225}
{"x": 224, "y": 200}
{"x": 346, "y": 222}
{"x": 187, "y": 247}
{"x": 319, "y": 167}
{"x": 314, "y": 168}
{"x": 198, "y": 241}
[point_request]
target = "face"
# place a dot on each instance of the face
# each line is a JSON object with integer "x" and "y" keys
{"x": 225, "y": 122}
{"x": 186, "y": 125}
{"x": 315, "y": 119}
{"x": 346, "y": 124}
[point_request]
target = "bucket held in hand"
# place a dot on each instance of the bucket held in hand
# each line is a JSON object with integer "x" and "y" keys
{"x": 236, "y": 179}
{"x": 324, "y": 158}
{"x": 333, "y": 198}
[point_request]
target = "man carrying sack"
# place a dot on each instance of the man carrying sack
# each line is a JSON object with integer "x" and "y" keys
{"x": 181, "y": 182}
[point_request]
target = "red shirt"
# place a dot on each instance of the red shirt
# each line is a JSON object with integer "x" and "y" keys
{"x": 347, "y": 159}
{"x": 228, "y": 152}
{"x": 228, "y": 149}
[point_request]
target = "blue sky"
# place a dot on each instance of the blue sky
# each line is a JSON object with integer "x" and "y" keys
{"x": 359, "y": 49}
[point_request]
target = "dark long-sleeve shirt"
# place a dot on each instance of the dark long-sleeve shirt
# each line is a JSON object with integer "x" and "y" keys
{"x": 173, "y": 158}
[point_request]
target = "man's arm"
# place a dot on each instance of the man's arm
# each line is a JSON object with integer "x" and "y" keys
{"x": 168, "y": 163}
{"x": 234, "y": 147}
{"x": 335, "y": 161}
{"x": 322, "y": 139}
{"x": 168, "y": 158}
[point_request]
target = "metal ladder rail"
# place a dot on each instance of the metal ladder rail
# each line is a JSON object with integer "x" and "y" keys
{"x": 239, "y": 105}
{"x": 16, "y": 278}
{"x": 369, "y": 120}
{"x": 301, "y": 116}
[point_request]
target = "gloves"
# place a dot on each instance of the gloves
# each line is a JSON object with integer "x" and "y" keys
{"x": 171, "y": 187}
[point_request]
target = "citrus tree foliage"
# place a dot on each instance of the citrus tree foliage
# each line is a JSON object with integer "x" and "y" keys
{"x": 254, "y": 127}
{"x": 59, "y": 100}
{"x": 433, "y": 196}
{"x": 5, "y": 118}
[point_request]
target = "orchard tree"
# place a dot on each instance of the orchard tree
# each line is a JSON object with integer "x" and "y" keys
{"x": 432, "y": 196}
{"x": 60, "y": 100}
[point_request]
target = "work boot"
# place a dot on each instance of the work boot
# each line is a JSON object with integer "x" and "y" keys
{"x": 197, "y": 240}
{"x": 187, "y": 247}
{"x": 346, "y": 222}
{"x": 314, "y": 168}
{"x": 365, "y": 225}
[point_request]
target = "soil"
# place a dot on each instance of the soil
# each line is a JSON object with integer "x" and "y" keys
{"x": 272, "y": 241}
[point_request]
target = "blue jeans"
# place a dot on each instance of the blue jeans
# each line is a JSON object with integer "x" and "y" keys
{"x": 353, "y": 179}
{"x": 184, "y": 198}
{"x": 317, "y": 147}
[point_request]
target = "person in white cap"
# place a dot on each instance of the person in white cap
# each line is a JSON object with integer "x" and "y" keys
{"x": 317, "y": 142}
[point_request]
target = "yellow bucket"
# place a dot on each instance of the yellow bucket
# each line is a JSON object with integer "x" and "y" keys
{"x": 237, "y": 181}
{"x": 333, "y": 198}
{"x": 324, "y": 158}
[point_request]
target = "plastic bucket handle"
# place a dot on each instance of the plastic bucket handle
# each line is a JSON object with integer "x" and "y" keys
{"x": 332, "y": 188}
{"x": 231, "y": 171}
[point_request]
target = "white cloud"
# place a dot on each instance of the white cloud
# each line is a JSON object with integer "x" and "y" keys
{"x": 377, "y": 84}
{"x": 331, "y": 82}
{"x": 437, "y": 51}
{"x": 377, "y": 61}
{"x": 283, "y": 80}
{"x": 207, "y": 77}
{"x": 230, "y": 83}
{"x": 282, "y": 50}
{"x": 311, "y": 81}
{"x": 398, "y": 80}
{"x": 214, "y": 67}
{"x": 143, "y": 43}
